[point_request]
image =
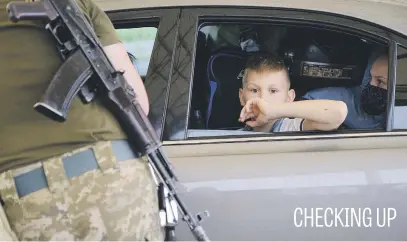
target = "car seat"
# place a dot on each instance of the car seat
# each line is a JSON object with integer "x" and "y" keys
{"x": 324, "y": 59}
{"x": 200, "y": 89}
{"x": 224, "y": 76}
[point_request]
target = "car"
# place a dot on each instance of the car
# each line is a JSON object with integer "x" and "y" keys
{"x": 347, "y": 184}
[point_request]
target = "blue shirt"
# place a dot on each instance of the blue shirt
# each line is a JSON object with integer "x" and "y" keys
{"x": 356, "y": 118}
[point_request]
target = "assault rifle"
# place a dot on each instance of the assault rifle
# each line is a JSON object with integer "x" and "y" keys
{"x": 87, "y": 71}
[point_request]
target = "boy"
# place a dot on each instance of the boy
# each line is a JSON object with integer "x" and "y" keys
{"x": 268, "y": 101}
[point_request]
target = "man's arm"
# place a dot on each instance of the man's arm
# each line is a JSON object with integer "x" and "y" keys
{"x": 317, "y": 114}
{"x": 117, "y": 54}
{"x": 116, "y": 51}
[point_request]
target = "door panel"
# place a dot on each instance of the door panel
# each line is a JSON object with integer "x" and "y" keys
{"x": 253, "y": 190}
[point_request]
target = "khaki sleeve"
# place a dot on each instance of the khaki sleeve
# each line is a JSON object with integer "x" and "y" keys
{"x": 6, "y": 234}
{"x": 101, "y": 23}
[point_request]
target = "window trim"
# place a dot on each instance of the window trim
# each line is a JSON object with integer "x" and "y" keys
{"x": 192, "y": 16}
{"x": 396, "y": 58}
{"x": 271, "y": 138}
{"x": 391, "y": 85}
{"x": 160, "y": 67}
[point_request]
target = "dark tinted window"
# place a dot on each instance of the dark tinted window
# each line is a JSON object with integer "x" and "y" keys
{"x": 400, "y": 109}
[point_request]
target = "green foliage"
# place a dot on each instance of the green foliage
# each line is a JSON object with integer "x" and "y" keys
{"x": 137, "y": 34}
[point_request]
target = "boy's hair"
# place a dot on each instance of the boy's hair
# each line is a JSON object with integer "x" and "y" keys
{"x": 260, "y": 63}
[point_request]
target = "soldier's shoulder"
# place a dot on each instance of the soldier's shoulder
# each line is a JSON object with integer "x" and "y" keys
{"x": 85, "y": 5}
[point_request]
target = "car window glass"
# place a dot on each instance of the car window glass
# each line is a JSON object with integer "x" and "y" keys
{"x": 400, "y": 109}
{"x": 139, "y": 43}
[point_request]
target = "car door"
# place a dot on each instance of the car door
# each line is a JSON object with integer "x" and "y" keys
{"x": 342, "y": 185}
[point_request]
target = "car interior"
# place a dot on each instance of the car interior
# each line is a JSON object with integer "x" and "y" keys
{"x": 315, "y": 58}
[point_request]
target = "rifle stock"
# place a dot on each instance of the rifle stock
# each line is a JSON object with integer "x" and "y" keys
{"x": 64, "y": 86}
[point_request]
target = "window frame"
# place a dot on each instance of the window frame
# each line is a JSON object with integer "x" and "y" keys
{"x": 176, "y": 127}
{"x": 159, "y": 70}
{"x": 395, "y": 59}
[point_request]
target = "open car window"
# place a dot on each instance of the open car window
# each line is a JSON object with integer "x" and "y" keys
{"x": 316, "y": 59}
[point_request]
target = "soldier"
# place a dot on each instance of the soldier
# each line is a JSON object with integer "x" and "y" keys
{"x": 76, "y": 180}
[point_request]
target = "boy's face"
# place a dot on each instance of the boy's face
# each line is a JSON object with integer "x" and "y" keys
{"x": 271, "y": 86}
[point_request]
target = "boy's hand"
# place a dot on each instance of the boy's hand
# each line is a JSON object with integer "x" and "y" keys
{"x": 256, "y": 110}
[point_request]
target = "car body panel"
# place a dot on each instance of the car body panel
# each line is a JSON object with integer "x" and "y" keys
{"x": 252, "y": 189}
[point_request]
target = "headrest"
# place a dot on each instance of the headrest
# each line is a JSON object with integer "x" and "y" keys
{"x": 224, "y": 68}
{"x": 319, "y": 60}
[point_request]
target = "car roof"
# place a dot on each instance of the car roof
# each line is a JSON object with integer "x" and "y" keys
{"x": 388, "y": 13}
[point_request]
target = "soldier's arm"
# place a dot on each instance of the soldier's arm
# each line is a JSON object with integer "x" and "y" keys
{"x": 121, "y": 61}
{"x": 116, "y": 51}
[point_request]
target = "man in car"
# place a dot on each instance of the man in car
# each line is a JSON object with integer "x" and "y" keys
{"x": 76, "y": 180}
{"x": 367, "y": 102}
{"x": 268, "y": 102}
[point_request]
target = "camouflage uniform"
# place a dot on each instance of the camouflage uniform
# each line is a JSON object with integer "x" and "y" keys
{"x": 116, "y": 201}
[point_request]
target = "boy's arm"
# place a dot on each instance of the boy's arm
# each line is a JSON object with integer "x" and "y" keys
{"x": 317, "y": 114}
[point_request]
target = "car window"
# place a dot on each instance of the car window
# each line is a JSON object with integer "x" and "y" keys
{"x": 139, "y": 43}
{"x": 400, "y": 109}
{"x": 315, "y": 59}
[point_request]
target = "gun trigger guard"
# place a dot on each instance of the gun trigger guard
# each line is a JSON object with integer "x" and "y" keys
{"x": 65, "y": 46}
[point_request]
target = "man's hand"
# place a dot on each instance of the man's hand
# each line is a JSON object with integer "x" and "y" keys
{"x": 258, "y": 111}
